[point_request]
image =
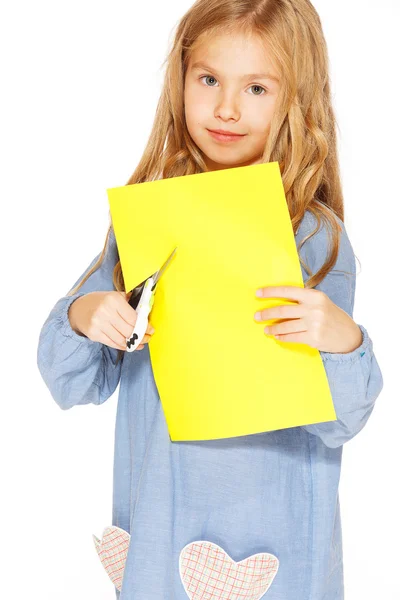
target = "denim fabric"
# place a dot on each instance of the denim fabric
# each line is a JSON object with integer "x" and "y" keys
{"x": 271, "y": 492}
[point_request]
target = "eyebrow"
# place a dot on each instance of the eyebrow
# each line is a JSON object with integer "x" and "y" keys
{"x": 200, "y": 65}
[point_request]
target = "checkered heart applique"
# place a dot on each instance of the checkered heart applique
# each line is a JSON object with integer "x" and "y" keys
{"x": 206, "y": 570}
{"x": 209, "y": 573}
{"x": 112, "y": 550}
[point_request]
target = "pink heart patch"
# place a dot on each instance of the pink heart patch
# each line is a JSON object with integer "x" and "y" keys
{"x": 208, "y": 572}
{"x": 112, "y": 550}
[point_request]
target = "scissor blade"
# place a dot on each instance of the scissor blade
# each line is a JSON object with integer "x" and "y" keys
{"x": 161, "y": 271}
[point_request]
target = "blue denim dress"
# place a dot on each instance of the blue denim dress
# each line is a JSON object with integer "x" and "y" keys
{"x": 274, "y": 492}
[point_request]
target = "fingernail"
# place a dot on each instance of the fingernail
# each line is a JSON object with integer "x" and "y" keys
{"x": 259, "y": 293}
{"x": 257, "y": 316}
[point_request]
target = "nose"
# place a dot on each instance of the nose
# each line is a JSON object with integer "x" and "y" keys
{"x": 227, "y": 107}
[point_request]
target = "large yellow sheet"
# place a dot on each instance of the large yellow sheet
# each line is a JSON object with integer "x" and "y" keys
{"x": 217, "y": 373}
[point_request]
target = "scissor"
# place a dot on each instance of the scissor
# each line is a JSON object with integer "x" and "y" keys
{"x": 142, "y": 300}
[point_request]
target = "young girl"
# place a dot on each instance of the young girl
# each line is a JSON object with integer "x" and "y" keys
{"x": 257, "y": 69}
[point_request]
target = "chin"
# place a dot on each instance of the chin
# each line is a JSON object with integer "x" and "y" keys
{"x": 221, "y": 157}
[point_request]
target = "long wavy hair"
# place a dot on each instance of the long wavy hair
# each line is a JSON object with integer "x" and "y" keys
{"x": 302, "y": 137}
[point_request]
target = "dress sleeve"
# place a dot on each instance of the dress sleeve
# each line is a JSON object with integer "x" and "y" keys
{"x": 76, "y": 369}
{"x": 355, "y": 378}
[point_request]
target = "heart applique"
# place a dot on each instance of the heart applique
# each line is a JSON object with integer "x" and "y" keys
{"x": 112, "y": 550}
{"x": 208, "y": 572}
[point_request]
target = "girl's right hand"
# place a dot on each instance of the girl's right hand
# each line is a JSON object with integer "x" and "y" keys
{"x": 106, "y": 317}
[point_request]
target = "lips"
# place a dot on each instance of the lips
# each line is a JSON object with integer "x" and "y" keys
{"x": 227, "y": 133}
{"x": 225, "y": 136}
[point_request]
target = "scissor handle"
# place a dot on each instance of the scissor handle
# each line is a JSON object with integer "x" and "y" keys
{"x": 143, "y": 309}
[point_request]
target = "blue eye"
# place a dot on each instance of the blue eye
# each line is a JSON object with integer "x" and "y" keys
{"x": 264, "y": 91}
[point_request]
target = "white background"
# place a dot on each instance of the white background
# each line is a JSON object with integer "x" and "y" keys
{"x": 80, "y": 84}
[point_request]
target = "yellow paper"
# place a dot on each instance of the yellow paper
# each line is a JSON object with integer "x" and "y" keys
{"x": 217, "y": 373}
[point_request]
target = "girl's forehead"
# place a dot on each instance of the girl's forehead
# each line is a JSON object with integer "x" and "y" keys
{"x": 224, "y": 39}
{"x": 237, "y": 51}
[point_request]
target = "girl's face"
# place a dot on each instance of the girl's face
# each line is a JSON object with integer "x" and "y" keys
{"x": 230, "y": 85}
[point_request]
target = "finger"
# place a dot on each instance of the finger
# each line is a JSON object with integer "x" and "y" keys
{"x": 124, "y": 329}
{"x": 298, "y": 338}
{"x": 145, "y": 339}
{"x": 126, "y": 326}
{"x": 105, "y": 339}
{"x": 115, "y": 335}
{"x": 290, "y": 292}
{"x": 289, "y": 311}
{"x": 286, "y": 327}
{"x": 126, "y": 312}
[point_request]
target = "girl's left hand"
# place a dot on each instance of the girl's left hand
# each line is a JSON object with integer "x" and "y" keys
{"x": 315, "y": 320}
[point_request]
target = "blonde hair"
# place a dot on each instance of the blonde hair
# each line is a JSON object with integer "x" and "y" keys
{"x": 302, "y": 135}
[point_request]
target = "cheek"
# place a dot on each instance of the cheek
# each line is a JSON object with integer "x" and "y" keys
{"x": 259, "y": 124}
{"x": 261, "y": 118}
{"x": 196, "y": 106}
